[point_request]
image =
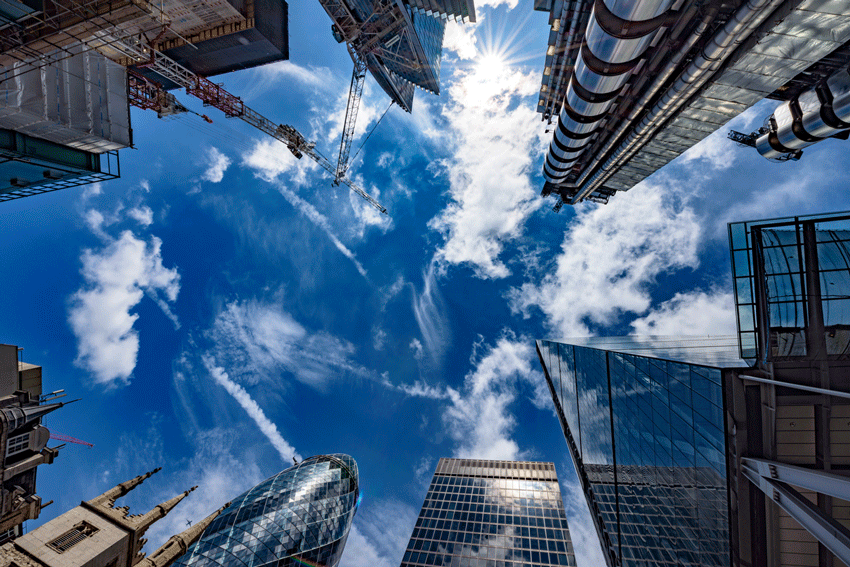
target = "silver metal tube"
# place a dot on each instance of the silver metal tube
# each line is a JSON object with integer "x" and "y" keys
{"x": 740, "y": 26}
{"x": 606, "y": 48}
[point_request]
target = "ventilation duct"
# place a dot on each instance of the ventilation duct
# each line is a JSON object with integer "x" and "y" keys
{"x": 816, "y": 114}
{"x": 618, "y": 33}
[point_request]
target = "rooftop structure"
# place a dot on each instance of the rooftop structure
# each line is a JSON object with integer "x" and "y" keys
{"x": 300, "y": 516}
{"x": 690, "y": 454}
{"x": 481, "y": 512}
{"x": 635, "y": 84}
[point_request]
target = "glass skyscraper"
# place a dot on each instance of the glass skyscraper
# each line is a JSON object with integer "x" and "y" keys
{"x": 299, "y": 516}
{"x": 727, "y": 450}
{"x": 491, "y": 514}
{"x": 646, "y": 436}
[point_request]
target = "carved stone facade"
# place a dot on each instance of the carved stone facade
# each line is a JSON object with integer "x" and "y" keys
{"x": 23, "y": 440}
{"x": 97, "y": 534}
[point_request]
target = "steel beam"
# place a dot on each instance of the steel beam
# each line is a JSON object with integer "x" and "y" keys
{"x": 825, "y": 529}
{"x": 820, "y": 481}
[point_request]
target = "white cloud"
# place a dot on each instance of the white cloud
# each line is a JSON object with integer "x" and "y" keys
{"x": 691, "y": 313}
{"x": 217, "y": 164}
{"x": 430, "y": 312}
{"x": 461, "y": 39}
{"x": 257, "y": 341}
{"x": 379, "y": 535}
{"x": 142, "y": 215}
{"x": 417, "y": 348}
{"x": 494, "y": 136}
{"x": 478, "y": 418}
{"x": 117, "y": 277}
{"x": 269, "y": 429}
{"x": 583, "y": 533}
{"x": 311, "y": 76}
{"x": 610, "y": 257}
{"x": 270, "y": 159}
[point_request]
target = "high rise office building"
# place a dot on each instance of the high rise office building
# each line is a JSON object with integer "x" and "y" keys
{"x": 633, "y": 85}
{"x": 481, "y": 513}
{"x": 300, "y": 516}
{"x": 690, "y": 454}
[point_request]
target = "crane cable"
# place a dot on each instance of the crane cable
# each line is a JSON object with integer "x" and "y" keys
{"x": 370, "y": 133}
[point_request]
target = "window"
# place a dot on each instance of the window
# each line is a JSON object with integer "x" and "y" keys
{"x": 72, "y": 537}
{"x": 17, "y": 444}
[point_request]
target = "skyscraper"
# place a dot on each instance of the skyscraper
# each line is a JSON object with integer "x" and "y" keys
{"x": 300, "y": 516}
{"x": 491, "y": 514}
{"x": 691, "y": 453}
{"x": 635, "y": 84}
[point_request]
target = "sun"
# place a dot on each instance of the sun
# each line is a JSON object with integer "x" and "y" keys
{"x": 490, "y": 64}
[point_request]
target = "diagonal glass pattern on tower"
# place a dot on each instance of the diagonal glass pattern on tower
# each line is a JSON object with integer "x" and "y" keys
{"x": 300, "y": 515}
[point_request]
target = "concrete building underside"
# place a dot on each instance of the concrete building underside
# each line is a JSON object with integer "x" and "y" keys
{"x": 64, "y": 100}
{"x": 635, "y": 83}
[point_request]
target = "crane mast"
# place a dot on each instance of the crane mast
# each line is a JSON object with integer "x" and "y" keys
{"x": 144, "y": 56}
{"x": 355, "y": 93}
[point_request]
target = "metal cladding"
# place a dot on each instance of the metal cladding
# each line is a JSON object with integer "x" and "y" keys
{"x": 618, "y": 34}
{"x": 814, "y": 115}
{"x": 300, "y": 516}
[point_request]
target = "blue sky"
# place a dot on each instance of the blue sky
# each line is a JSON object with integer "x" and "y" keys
{"x": 222, "y": 308}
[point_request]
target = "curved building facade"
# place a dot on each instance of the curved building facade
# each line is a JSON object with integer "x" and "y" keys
{"x": 299, "y": 516}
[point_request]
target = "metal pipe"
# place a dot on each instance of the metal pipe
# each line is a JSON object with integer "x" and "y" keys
{"x": 721, "y": 46}
{"x": 617, "y": 35}
{"x": 814, "y": 115}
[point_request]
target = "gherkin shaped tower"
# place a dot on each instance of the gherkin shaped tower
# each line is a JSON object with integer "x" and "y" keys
{"x": 300, "y": 516}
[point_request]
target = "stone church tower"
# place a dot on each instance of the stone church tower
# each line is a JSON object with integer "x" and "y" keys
{"x": 97, "y": 534}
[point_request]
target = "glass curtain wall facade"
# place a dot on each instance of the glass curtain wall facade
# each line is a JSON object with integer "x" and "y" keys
{"x": 491, "y": 514}
{"x": 646, "y": 437}
{"x": 788, "y": 326}
{"x": 299, "y": 516}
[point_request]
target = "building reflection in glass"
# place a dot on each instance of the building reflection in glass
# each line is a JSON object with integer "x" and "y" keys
{"x": 646, "y": 435}
{"x": 491, "y": 514}
{"x": 299, "y": 516}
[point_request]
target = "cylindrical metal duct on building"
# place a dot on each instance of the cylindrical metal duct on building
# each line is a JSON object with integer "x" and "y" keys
{"x": 618, "y": 33}
{"x": 814, "y": 115}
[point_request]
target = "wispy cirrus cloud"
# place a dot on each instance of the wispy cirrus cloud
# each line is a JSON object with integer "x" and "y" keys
{"x": 255, "y": 341}
{"x": 117, "y": 277}
{"x": 429, "y": 309}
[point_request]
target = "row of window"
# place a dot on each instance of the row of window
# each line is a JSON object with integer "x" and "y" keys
{"x": 541, "y": 533}
{"x": 503, "y": 519}
{"x": 456, "y": 541}
{"x": 490, "y": 520}
{"x": 518, "y": 507}
{"x": 516, "y": 560}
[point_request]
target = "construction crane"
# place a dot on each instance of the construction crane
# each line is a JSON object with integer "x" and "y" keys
{"x": 379, "y": 34}
{"x": 60, "y": 437}
{"x": 355, "y": 93}
{"x": 151, "y": 96}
